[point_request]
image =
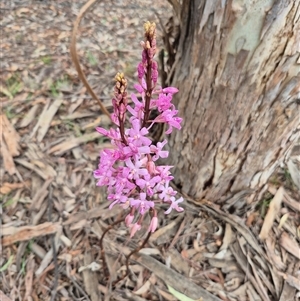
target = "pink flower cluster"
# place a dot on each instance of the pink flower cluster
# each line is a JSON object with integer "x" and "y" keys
{"x": 129, "y": 169}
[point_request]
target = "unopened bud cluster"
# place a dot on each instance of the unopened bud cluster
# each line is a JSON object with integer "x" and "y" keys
{"x": 129, "y": 169}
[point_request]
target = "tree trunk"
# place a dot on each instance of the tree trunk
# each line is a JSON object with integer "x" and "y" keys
{"x": 237, "y": 67}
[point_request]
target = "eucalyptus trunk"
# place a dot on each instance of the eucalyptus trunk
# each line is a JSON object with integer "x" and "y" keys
{"x": 237, "y": 67}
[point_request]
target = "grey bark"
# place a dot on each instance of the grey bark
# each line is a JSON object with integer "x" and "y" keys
{"x": 237, "y": 67}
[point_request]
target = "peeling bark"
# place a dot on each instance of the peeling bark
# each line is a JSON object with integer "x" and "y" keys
{"x": 238, "y": 71}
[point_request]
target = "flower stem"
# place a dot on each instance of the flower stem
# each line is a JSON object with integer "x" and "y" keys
{"x": 148, "y": 93}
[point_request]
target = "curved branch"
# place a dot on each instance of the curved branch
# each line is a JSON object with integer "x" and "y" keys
{"x": 75, "y": 59}
{"x": 128, "y": 257}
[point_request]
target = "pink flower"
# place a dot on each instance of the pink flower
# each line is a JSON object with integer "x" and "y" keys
{"x": 104, "y": 180}
{"x": 148, "y": 183}
{"x": 117, "y": 199}
{"x": 164, "y": 172}
{"x": 136, "y": 152}
{"x": 174, "y": 205}
{"x": 129, "y": 169}
{"x": 157, "y": 150}
{"x": 138, "y": 111}
{"x": 122, "y": 184}
{"x": 136, "y": 134}
{"x": 167, "y": 193}
{"x": 174, "y": 123}
{"x": 141, "y": 203}
{"x": 108, "y": 157}
{"x": 168, "y": 117}
{"x": 164, "y": 102}
{"x": 134, "y": 171}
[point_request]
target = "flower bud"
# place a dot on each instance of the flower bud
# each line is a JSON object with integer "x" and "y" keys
{"x": 134, "y": 228}
{"x": 141, "y": 70}
{"x": 171, "y": 90}
{"x": 144, "y": 56}
{"x": 128, "y": 220}
{"x": 151, "y": 53}
{"x": 153, "y": 224}
{"x": 102, "y": 131}
{"x": 139, "y": 88}
{"x": 154, "y": 65}
{"x": 151, "y": 168}
{"x": 154, "y": 76}
{"x": 122, "y": 109}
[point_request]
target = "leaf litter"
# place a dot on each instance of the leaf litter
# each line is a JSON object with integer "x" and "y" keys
{"x": 48, "y": 144}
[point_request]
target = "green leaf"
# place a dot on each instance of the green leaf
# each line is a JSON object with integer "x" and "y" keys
{"x": 179, "y": 296}
{"x": 92, "y": 59}
{"x": 5, "y": 92}
{"x": 9, "y": 261}
{"x": 9, "y": 202}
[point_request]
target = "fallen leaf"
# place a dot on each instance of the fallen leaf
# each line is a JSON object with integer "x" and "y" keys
{"x": 10, "y": 135}
{"x": 28, "y": 232}
{"x": 290, "y": 245}
{"x": 274, "y": 208}
{"x": 180, "y": 296}
{"x": 89, "y": 277}
{"x": 251, "y": 218}
{"x": 93, "y": 124}
{"x": 228, "y": 236}
{"x": 46, "y": 121}
{"x": 4, "y": 297}
{"x": 74, "y": 142}
{"x": 78, "y": 115}
{"x": 291, "y": 202}
{"x": 29, "y": 277}
{"x": 9, "y": 164}
{"x": 46, "y": 173}
{"x": 291, "y": 280}
{"x": 144, "y": 288}
{"x": 283, "y": 219}
{"x": 273, "y": 254}
{"x": 43, "y": 115}
{"x": 6, "y": 188}
{"x": 22, "y": 10}
{"x": 29, "y": 117}
{"x": 293, "y": 164}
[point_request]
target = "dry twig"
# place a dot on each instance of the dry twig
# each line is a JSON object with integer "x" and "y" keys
{"x": 105, "y": 269}
{"x": 75, "y": 59}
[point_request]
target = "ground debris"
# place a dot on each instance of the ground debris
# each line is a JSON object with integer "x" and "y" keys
{"x": 48, "y": 143}
{"x": 25, "y": 233}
